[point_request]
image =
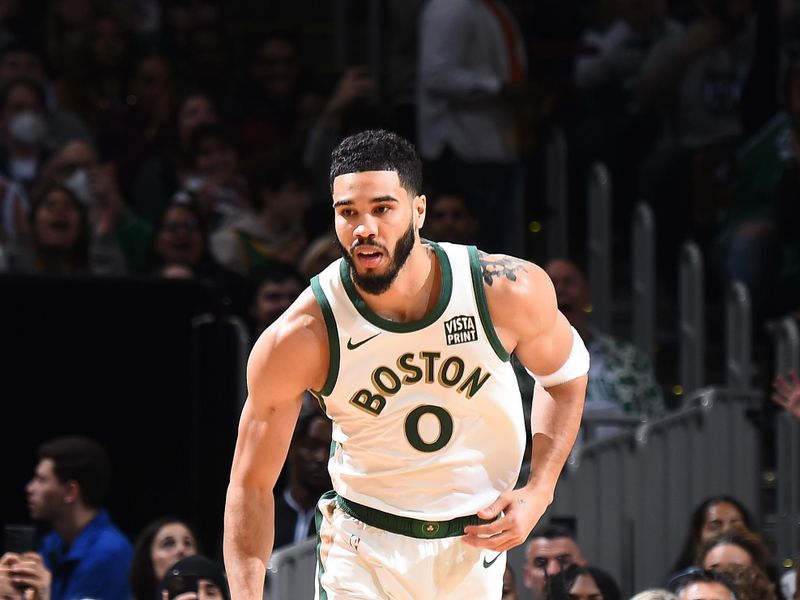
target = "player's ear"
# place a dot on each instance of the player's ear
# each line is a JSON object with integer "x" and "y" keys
{"x": 419, "y": 207}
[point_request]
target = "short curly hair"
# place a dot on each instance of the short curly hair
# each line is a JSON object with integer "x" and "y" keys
{"x": 378, "y": 150}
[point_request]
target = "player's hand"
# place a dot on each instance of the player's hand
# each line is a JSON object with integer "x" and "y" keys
{"x": 787, "y": 393}
{"x": 521, "y": 509}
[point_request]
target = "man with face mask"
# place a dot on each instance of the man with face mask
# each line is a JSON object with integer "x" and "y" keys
{"x": 23, "y": 123}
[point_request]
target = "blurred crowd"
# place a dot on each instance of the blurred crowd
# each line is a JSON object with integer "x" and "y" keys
{"x": 177, "y": 139}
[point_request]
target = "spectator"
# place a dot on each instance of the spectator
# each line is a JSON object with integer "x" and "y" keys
{"x": 654, "y": 594}
{"x": 160, "y": 545}
{"x": 621, "y": 378}
{"x": 699, "y": 584}
{"x": 24, "y": 577}
{"x": 157, "y": 176}
{"x": 449, "y": 219}
{"x": 321, "y": 252}
{"x": 735, "y": 547}
{"x": 275, "y": 232}
{"x": 471, "y": 64}
{"x": 181, "y": 238}
{"x": 88, "y": 556}
{"x": 276, "y": 286}
{"x": 62, "y": 239}
{"x": 695, "y": 80}
{"x": 339, "y": 118}
{"x": 77, "y": 167}
{"x": 195, "y": 578}
{"x": 609, "y": 125}
{"x": 19, "y": 59}
{"x": 713, "y": 516}
{"x": 275, "y": 95}
{"x": 509, "y": 584}
{"x": 214, "y": 176}
{"x": 23, "y": 120}
{"x": 576, "y": 582}
{"x": 548, "y": 552}
{"x": 308, "y": 479}
{"x": 751, "y": 582}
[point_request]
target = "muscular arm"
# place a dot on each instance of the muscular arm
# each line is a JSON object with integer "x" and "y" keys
{"x": 290, "y": 357}
{"x": 522, "y": 304}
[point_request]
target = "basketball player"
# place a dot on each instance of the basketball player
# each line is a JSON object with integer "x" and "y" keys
{"x": 406, "y": 344}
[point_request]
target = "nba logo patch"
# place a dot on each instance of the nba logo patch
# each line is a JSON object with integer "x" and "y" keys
{"x": 460, "y": 330}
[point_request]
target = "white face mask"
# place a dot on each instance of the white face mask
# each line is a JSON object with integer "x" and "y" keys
{"x": 28, "y": 128}
{"x": 78, "y": 184}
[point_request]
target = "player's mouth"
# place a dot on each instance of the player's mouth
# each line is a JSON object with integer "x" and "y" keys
{"x": 368, "y": 257}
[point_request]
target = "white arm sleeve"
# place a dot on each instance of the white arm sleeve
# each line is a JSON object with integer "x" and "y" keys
{"x": 577, "y": 364}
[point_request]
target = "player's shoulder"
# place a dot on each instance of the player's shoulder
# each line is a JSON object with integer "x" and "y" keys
{"x": 510, "y": 278}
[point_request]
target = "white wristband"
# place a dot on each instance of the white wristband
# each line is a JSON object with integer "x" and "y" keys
{"x": 577, "y": 364}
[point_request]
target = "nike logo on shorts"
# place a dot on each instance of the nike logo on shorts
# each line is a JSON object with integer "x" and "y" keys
{"x": 352, "y": 346}
{"x": 489, "y": 563}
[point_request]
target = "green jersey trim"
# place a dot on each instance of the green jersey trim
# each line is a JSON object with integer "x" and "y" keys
{"x": 483, "y": 305}
{"x": 365, "y": 311}
{"x": 333, "y": 339}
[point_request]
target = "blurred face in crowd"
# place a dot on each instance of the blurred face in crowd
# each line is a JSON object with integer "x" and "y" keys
{"x": 21, "y": 99}
{"x": 20, "y": 63}
{"x": 549, "y": 556}
{"x": 180, "y": 239}
{"x": 272, "y": 299}
{"x": 277, "y": 68}
{"x": 449, "y": 220}
{"x": 216, "y": 159}
{"x": 108, "y": 42}
{"x": 721, "y": 518}
{"x": 705, "y": 590}
{"x": 171, "y": 543}
{"x": 57, "y": 221}
{"x": 585, "y": 588}
{"x": 572, "y": 291}
{"x": 310, "y": 455}
{"x": 196, "y": 110}
{"x": 290, "y": 201}
{"x": 509, "y": 585}
{"x": 726, "y": 554}
{"x": 46, "y": 494}
{"x": 152, "y": 86}
{"x": 74, "y": 12}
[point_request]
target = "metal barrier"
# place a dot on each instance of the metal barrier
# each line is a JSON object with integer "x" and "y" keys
{"x": 738, "y": 337}
{"x": 556, "y": 192}
{"x": 291, "y": 574}
{"x": 787, "y": 449}
{"x": 632, "y": 494}
{"x": 643, "y": 282}
{"x": 692, "y": 318}
{"x": 599, "y": 244}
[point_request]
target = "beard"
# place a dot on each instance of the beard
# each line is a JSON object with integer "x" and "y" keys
{"x": 377, "y": 284}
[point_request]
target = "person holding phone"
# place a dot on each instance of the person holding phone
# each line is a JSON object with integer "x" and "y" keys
{"x": 24, "y": 577}
{"x": 88, "y": 556}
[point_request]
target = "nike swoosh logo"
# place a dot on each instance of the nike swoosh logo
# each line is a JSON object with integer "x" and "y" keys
{"x": 352, "y": 346}
{"x": 489, "y": 563}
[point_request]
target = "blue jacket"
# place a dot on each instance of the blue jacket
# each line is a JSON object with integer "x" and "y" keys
{"x": 95, "y": 566}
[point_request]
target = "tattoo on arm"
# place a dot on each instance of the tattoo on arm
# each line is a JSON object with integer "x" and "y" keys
{"x": 499, "y": 266}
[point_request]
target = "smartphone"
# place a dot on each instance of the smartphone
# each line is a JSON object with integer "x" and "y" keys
{"x": 180, "y": 584}
{"x": 19, "y": 538}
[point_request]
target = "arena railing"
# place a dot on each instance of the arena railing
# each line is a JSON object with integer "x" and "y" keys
{"x": 787, "y": 449}
{"x": 599, "y": 196}
{"x": 643, "y": 279}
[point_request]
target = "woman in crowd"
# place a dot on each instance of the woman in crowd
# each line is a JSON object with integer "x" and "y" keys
{"x": 160, "y": 545}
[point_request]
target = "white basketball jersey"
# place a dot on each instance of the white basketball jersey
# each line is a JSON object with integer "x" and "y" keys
{"x": 427, "y": 416}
